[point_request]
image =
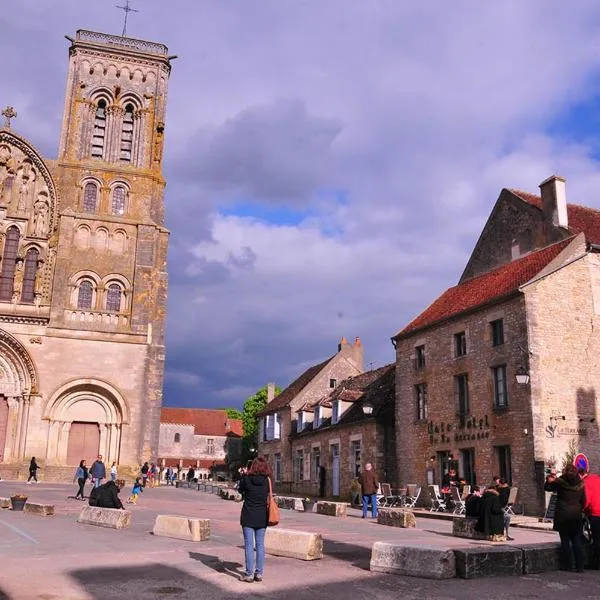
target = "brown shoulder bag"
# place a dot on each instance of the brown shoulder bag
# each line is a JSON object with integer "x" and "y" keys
{"x": 272, "y": 508}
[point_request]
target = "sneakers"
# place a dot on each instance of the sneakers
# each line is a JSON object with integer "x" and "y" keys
{"x": 247, "y": 578}
{"x": 257, "y": 577}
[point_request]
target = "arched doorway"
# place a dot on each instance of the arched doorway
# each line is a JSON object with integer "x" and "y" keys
{"x": 84, "y": 442}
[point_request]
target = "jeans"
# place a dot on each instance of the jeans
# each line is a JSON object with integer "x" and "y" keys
{"x": 113, "y": 476}
{"x": 568, "y": 540}
{"x": 595, "y": 526}
{"x": 97, "y": 482}
{"x": 254, "y": 538}
{"x": 80, "y": 492}
{"x": 506, "y": 523}
{"x": 372, "y": 498}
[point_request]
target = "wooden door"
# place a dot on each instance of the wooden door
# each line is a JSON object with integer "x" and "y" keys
{"x": 3, "y": 425}
{"x": 84, "y": 443}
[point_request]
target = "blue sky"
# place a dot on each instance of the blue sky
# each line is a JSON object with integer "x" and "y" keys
{"x": 330, "y": 164}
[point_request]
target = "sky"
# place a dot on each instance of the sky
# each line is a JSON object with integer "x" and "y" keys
{"x": 329, "y": 163}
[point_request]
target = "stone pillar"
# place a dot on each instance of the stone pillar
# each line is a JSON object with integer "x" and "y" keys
{"x": 104, "y": 441}
{"x": 137, "y": 150}
{"x": 10, "y": 449}
{"x": 63, "y": 445}
{"x": 24, "y": 425}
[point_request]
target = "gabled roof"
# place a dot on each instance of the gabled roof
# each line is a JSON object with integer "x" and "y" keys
{"x": 205, "y": 421}
{"x": 292, "y": 390}
{"x": 582, "y": 219}
{"x": 493, "y": 286}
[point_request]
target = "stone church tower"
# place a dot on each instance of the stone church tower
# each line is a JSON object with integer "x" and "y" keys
{"x": 83, "y": 277}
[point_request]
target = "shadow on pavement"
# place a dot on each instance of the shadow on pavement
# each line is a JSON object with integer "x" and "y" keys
{"x": 4, "y": 595}
{"x": 359, "y": 556}
{"x": 221, "y": 566}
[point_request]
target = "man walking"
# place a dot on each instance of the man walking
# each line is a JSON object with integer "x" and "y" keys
{"x": 98, "y": 471}
{"x": 368, "y": 487}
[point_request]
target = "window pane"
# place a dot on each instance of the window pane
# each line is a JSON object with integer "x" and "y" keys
{"x": 127, "y": 134}
{"x": 118, "y": 200}
{"x": 113, "y": 297}
{"x": 31, "y": 266}
{"x": 90, "y": 197}
{"x": 99, "y": 130}
{"x": 85, "y": 295}
{"x": 7, "y": 275}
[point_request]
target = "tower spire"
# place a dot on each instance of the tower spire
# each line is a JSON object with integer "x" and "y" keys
{"x": 126, "y": 9}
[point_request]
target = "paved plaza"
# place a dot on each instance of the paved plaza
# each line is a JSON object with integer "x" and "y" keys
{"x": 49, "y": 558}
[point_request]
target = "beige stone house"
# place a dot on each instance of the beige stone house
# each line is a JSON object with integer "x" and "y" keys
{"x": 278, "y": 420}
{"x": 205, "y": 439}
{"x": 527, "y": 305}
{"x": 83, "y": 267}
{"x": 338, "y": 434}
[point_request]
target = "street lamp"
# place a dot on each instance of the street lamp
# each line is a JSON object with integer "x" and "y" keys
{"x": 367, "y": 408}
{"x": 522, "y": 376}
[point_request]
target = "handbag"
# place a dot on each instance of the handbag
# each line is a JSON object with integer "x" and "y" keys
{"x": 272, "y": 508}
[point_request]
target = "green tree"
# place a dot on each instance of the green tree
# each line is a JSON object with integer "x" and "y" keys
{"x": 253, "y": 405}
{"x": 570, "y": 455}
{"x": 234, "y": 413}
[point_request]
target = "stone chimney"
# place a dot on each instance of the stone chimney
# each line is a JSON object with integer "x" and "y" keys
{"x": 554, "y": 201}
{"x": 353, "y": 351}
{"x": 343, "y": 344}
{"x": 270, "y": 392}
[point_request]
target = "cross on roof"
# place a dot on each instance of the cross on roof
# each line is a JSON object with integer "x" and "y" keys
{"x": 8, "y": 113}
{"x": 126, "y": 9}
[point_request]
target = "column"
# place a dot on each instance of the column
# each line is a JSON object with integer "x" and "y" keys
{"x": 10, "y": 449}
{"x": 24, "y": 425}
{"x": 63, "y": 442}
{"x": 104, "y": 449}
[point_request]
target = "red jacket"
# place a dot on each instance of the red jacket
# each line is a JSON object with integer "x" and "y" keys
{"x": 592, "y": 495}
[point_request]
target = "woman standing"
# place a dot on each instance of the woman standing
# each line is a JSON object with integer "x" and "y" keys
{"x": 33, "y": 467}
{"x": 254, "y": 486}
{"x": 81, "y": 475}
{"x": 113, "y": 472}
{"x": 568, "y": 521}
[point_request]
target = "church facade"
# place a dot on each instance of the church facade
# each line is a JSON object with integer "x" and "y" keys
{"x": 83, "y": 278}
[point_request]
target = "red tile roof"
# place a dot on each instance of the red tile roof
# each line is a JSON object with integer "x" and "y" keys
{"x": 292, "y": 390}
{"x": 582, "y": 219}
{"x": 205, "y": 421}
{"x": 492, "y": 286}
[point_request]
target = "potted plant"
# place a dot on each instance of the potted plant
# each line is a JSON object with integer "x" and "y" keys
{"x": 308, "y": 504}
{"x": 18, "y": 501}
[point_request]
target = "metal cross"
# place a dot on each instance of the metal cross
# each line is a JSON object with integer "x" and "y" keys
{"x": 8, "y": 113}
{"x": 127, "y": 9}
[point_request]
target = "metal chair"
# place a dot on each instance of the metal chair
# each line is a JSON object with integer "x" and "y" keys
{"x": 512, "y": 497}
{"x": 438, "y": 503}
{"x": 412, "y": 495}
{"x": 459, "y": 503}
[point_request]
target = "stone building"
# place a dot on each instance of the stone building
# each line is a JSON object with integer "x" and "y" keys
{"x": 207, "y": 440}
{"x": 527, "y": 305}
{"x": 83, "y": 277}
{"x": 338, "y": 434}
{"x": 278, "y": 420}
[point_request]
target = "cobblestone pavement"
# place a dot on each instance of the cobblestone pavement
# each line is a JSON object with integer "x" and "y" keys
{"x": 55, "y": 558}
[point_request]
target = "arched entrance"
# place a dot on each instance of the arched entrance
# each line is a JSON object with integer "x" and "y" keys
{"x": 85, "y": 420}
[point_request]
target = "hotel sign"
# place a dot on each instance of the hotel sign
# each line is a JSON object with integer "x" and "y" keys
{"x": 466, "y": 430}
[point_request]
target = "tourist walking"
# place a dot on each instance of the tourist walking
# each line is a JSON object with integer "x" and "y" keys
{"x": 81, "y": 476}
{"x": 504, "y": 493}
{"x": 138, "y": 488}
{"x": 144, "y": 471}
{"x": 191, "y": 474}
{"x": 491, "y": 516}
{"x": 591, "y": 483}
{"x": 169, "y": 475}
{"x": 33, "y": 468}
{"x": 113, "y": 472}
{"x": 98, "y": 471}
{"x": 254, "y": 487}
{"x": 568, "y": 521}
{"x": 152, "y": 471}
{"x": 368, "y": 488}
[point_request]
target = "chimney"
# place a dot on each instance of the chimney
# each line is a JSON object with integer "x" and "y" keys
{"x": 343, "y": 343}
{"x": 554, "y": 200}
{"x": 270, "y": 392}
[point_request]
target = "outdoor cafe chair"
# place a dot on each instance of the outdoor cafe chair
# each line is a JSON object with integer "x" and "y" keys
{"x": 512, "y": 496}
{"x": 459, "y": 503}
{"x": 438, "y": 502}
{"x": 412, "y": 495}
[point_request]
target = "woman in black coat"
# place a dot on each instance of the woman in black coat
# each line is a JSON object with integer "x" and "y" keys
{"x": 568, "y": 521}
{"x": 491, "y": 516}
{"x": 254, "y": 486}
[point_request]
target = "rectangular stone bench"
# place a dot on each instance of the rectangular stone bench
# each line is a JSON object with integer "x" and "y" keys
{"x": 114, "y": 518}
{"x": 464, "y": 527}
{"x": 540, "y": 558}
{"x": 332, "y": 509}
{"x": 286, "y": 502}
{"x": 182, "y": 528}
{"x": 488, "y": 561}
{"x": 44, "y": 510}
{"x": 413, "y": 560}
{"x": 396, "y": 517}
{"x": 5, "y": 503}
{"x": 293, "y": 544}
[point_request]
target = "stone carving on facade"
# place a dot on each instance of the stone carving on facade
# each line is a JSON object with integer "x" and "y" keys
{"x": 27, "y": 177}
{"x": 35, "y": 340}
{"x": 41, "y": 215}
{"x": 18, "y": 281}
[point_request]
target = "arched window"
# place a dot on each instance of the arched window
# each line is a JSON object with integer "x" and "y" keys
{"x": 90, "y": 197}
{"x": 177, "y": 438}
{"x": 85, "y": 295}
{"x": 9, "y": 263}
{"x": 127, "y": 134}
{"x": 113, "y": 297}
{"x": 99, "y": 134}
{"x": 31, "y": 267}
{"x": 119, "y": 197}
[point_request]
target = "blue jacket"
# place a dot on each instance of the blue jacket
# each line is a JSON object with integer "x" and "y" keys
{"x": 137, "y": 488}
{"x": 98, "y": 470}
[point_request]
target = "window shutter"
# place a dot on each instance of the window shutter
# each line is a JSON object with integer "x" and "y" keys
{"x": 270, "y": 427}
{"x": 306, "y": 466}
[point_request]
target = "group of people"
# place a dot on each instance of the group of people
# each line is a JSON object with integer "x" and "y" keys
{"x": 96, "y": 474}
{"x": 490, "y": 508}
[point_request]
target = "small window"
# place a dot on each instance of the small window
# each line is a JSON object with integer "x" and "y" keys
{"x": 317, "y": 416}
{"x": 29, "y": 274}
{"x": 85, "y": 295}
{"x": 300, "y": 426}
{"x": 462, "y": 393}
{"x": 99, "y": 132}
{"x": 127, "y": 134}
{"x": 420, "y": 357}
{"x": 497, "y": 332}
{"x": 316, "y": 463}
{"x": 119, "y": 196}
{"x": 500, "y": 391}
{"x": 460, "y": 344}
{"x": 90, "y": 197}
{"x": 421, "y": 399}
{"x": 113, "y": 297}
{"x": 332, "y": 383}
{"x": 177, "y": 438}
{"x": 9, "y": 264}
{"x": 210, "y": 446}
{"x": 335, "y": 412}
{"x": 504, "y": 463}
{"x": 355, "y": 455}
{"x": 299, "y": 466}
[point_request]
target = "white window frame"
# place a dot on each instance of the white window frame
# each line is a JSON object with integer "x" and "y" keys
{"x": 335, "y": 412}
{"x": 317, "y": 417}
{"x": 300, "y": 421}
{"x": 277, "y": 426}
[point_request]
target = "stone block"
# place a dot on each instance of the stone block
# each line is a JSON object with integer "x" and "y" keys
{"x": 201, "y": 487}
{"x": 293, "y": 544}
{"x": 488, "y": 561}
{"x": 396, "y": 517}
{"x": 540, "y": 558}
{"x": 44, "y": 510}
{"x": 332, "y": 509}
{"x": 465, "y": 527}
{"x": 285, "y": 502}
{"x": 413, "y": 560}
{"x": 4, "y": 502}
{"x": 182, "y": 528}
{"x": 113, "y": 518}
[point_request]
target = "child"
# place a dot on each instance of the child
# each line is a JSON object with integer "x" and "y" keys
{"x": 138, "y": 488}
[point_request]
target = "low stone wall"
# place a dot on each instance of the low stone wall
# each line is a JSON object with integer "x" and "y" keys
{"x": 332, "y": 509}
{"x": 465, "y": 527}
{"x": 4, "y": 502}
{"x": 113, "y": 518}
{"x": 228, "y": 494}
{"x": 488, "y": 561}
{"x": 44, "y": 510}
{"x": 396, "y": 517}
{"x": 413, "y": 560}
{"x": 293, "y": 544}
{"x": 182, "y": 528}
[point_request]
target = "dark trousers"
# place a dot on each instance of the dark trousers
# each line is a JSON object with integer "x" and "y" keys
{"x": 571, "y": 545}
{"x": 32, "y": 474}
{"x": 81, "y": 482}
{"x": 595, "y": 526}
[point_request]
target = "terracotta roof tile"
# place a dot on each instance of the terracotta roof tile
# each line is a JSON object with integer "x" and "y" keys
{"x": 205, "y": 421}
{"x": 479, "y": 291}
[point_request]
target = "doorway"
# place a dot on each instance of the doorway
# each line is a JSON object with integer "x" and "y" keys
{"x": 467, "y": 465}
{"x": 84, "y": 442}
{"x": 335, "y": 470}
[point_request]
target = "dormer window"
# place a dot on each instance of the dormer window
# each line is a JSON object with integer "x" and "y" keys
{"x": 300, "y": 421}
{"x": 332, "y": 383}
{"x": 335, "y": 412}
{"x": 317, "y": 418}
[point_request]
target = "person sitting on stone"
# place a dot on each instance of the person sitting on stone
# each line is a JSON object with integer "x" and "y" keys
{"x": 491, "y": 516}
{"x": 108, "y": 496}
{"x": 473, "y": 503}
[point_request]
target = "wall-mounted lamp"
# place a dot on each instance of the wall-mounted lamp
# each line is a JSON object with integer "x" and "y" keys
{"x": 525, "y": 431}
{"x": 367, "y": 408}
{"x": 522, "y": 374}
